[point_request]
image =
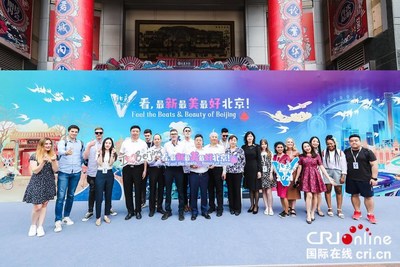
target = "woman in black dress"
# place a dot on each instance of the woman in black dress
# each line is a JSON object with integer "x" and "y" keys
{"x": 42, "y": 186}
{"x": 252, "y": 169}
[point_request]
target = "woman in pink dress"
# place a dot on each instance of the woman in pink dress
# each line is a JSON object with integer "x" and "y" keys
{"x": 316, "y": 146}
{"x": 281, "y": 157}
{"x": 310, "y": 178}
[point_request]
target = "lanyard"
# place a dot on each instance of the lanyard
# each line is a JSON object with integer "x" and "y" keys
{"x": 355, "y": 157}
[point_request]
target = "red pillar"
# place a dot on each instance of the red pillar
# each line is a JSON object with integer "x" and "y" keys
{"x": 73, "y": 35}
{"x": 285, "y": 37}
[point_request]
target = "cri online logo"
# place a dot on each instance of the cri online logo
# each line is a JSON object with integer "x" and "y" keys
{"x": 364, "y": 237}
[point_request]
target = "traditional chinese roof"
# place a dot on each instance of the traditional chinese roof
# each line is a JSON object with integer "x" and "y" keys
{"x": 9, "y": 146}
{"x": 33, "y": 135}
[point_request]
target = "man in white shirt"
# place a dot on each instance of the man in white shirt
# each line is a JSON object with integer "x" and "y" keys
{"x": 132, "y": 153}
{"x": 172, "y": 148}
{"x": 215, "y": 173}
{"x": 198, "y": 179}
{"x": 224, "y": 138}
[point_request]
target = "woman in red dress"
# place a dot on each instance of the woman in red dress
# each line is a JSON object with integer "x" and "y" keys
{"x": 311, "y": 182}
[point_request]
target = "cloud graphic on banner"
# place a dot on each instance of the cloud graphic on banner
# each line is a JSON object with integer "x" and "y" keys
{"x": 299, "y": 105}
{"x": 16, "y": 106}
{"x": 121, "y": 103}
{"x": 32, "y": 126}
{"x": 294, "y": 117}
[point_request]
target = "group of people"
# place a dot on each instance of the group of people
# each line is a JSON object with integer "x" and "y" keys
{"x": 318, "y": 171}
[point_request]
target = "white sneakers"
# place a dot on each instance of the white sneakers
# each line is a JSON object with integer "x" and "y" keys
{"x": 36, "y": 231}
{"x": 58, "y": 227}
{"x": 40, "y": 231}
{"x": 269, "y": 212}
{"x": 67, "y": 221}
{"x": 58, "y": 224}
{"x": 32, "y": 230}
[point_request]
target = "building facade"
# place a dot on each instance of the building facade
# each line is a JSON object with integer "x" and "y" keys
{"x": 335, "y": 34}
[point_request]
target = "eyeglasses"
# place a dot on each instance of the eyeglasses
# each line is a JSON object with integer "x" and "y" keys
{"x": 188, "y": 131}
{"x": 224, "y": 135}
{"x": 98, "y": 133}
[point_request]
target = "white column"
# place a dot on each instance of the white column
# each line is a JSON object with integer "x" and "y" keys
{"x": 319, "y": 35}
{"x": 256, "y": 31}
{"x": 111, "y": 30}
{"x": 396, "y": 26}
{"x": 44, "y": 22}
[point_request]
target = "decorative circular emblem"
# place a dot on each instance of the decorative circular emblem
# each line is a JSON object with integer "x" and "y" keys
{"x": 13, "y": 11}
{"x": 345, "y": 13}
{"x": 295, "y": 67}
{"x": 293, "y": 31}
{"x": 63, "y": 66}
{"x": 294, "y": 51}
{"x": 63, "y": 50}
{"x": 292, "y": 9}
{"x": 64, "y": 28}
{"x": 64, "y": 7}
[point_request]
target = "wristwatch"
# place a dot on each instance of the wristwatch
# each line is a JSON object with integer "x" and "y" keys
{"x": 375, "y": 179}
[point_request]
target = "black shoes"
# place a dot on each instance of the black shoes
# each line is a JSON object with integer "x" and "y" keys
{"x": 193, "y": 218}
{"x": 237, "y": 213}
{"x": 232, "y": 212}
{"x": 128, "y": 216}
{"x": 166, "y": 216}
{"x": 161, "y": 211}
{"x": 219, "y": 213}
{"x": 138, "y": 215}
{"x": 250, "y": 210}
{"x": 206, "y": 215}
{"x": 151, "y": 213}
{"x": 181, "y": 217}
{"x": 210, "y": 210}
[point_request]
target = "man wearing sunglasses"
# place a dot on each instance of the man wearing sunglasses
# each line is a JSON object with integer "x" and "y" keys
{"x": 224, "y": 138}
{"x": 90, "y": 155}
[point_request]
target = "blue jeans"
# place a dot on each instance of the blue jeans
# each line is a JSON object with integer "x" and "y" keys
{"x": 66, "y": 186}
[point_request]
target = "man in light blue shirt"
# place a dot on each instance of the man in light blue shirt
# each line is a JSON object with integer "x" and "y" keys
{"x": 70, "y": 159}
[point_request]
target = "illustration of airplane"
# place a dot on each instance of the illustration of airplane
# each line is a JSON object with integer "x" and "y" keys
{"x": 15, "y": 106}
{"x": 299, "y": 105}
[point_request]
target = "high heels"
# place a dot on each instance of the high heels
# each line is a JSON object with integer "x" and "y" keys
{"x": 251, "y": 209}
{"x": 309, "y": 221}
{"x": 255, "y": 211}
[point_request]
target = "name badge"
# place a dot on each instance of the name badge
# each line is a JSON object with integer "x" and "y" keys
{"x": 265, "y": 169}
{"x": 105, "y": 171}
{"x": 355, "y": 165}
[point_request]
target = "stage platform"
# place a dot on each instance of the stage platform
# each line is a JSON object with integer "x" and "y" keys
{"x": 245, "y": 240}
